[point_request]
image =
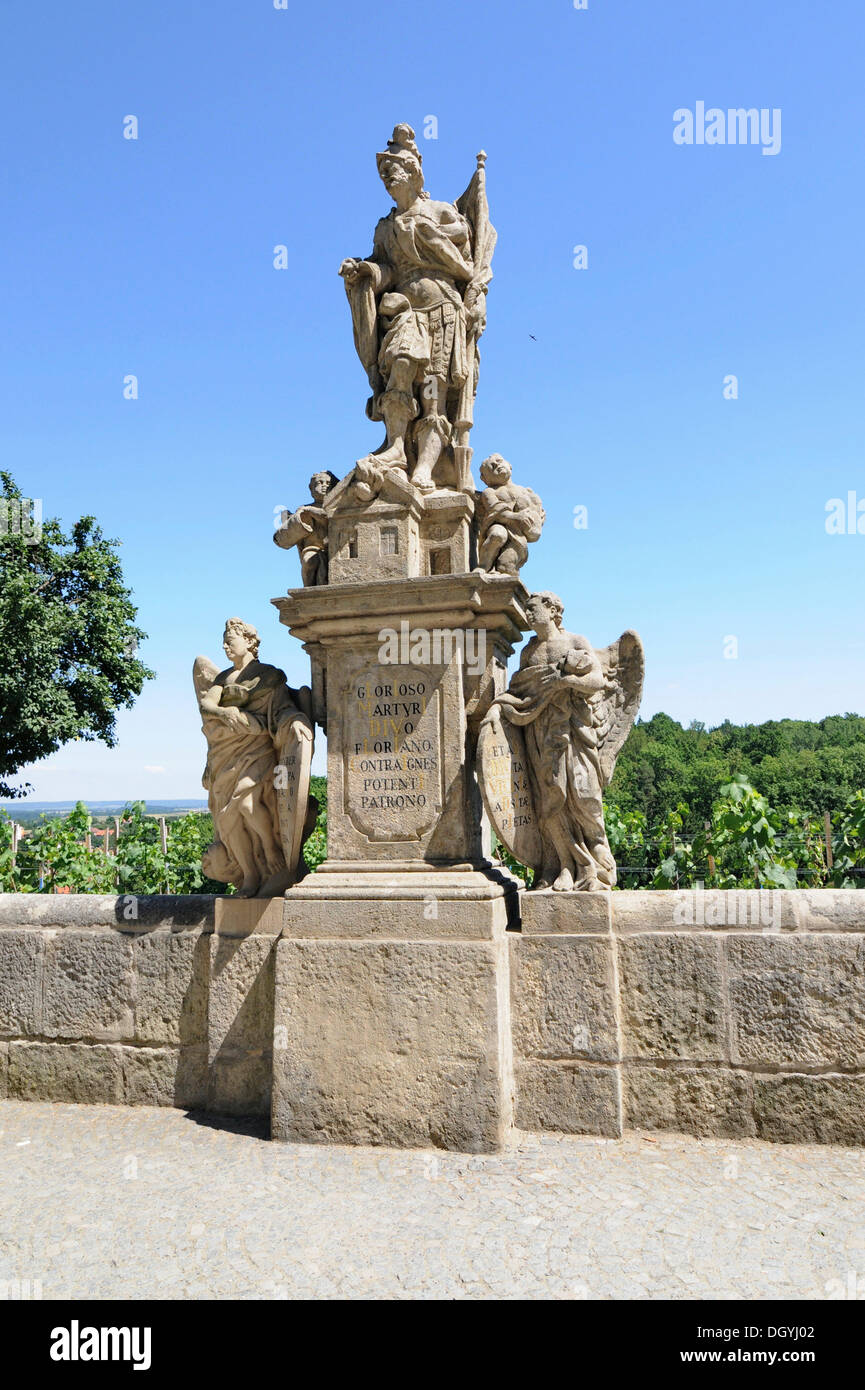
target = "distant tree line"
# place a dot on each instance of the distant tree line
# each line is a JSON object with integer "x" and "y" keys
{"x": 796, "y": 764}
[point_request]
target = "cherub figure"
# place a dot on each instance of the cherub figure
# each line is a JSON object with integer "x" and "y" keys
{"x": 307, "y": 529}
{"x": 509, "y": 518}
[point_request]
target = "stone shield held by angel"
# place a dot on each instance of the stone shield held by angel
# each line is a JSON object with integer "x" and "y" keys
{"x": 548, "y": 748}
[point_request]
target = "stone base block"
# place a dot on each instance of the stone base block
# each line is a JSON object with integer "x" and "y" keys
{"x": 573, "y": 913}
{"x": 401, "y": 1042}
{"x": 462, "y": 903}
{"x": 572, "y": 1097}
{"x": 240, "y": 1013}
{"x": 802, "y": 1109}
{"x": 709, "y": 1102}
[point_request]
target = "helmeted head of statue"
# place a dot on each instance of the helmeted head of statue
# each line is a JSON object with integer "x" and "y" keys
{"x": 401, "y": 163}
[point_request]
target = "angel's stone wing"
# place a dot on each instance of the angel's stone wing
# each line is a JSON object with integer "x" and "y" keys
{"x": 204, "y": 673}
{"x": 623, "y": 665}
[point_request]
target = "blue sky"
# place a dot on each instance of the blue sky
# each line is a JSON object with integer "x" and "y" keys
{"x": 603, "y": 386}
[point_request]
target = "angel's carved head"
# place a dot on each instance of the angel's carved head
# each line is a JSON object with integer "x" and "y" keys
{"x": 238, "y": 639}
{"x": 545, "y": 609}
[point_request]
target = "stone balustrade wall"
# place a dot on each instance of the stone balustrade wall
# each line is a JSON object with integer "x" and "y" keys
{"x": 717, "y": 1014}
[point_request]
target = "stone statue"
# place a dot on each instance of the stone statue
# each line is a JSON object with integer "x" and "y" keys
{"x": 259, "y": 740}
{"x": 548, "y": 747}
{"x": 307, "y": 529}
{"x": 508, "y": 516}
{"x": 418, "y": 307}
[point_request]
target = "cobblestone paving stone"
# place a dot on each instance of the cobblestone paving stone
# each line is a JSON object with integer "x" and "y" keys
{"x": 105, "y": 1202}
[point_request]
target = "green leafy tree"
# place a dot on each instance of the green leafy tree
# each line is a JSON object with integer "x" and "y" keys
{"x": 798, "y": 765}
{"x": 627, "y": 832}
{"x": 848, "y": 844}
{"x": 188, "y": 838}
{"x": 53, "y": 857}
{"x": 68, "y": 632}
{"x": 744, "y": 840}
{"x": 677, "y": 866}
{"x": 315, "y": 848}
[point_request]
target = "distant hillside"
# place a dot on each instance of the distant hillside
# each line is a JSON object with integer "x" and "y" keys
{"x": 23, "y": 811}
{"x": 796, "y": 764}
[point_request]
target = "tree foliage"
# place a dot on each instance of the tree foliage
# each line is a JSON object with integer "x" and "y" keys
{"x": 53, "y": 857}
{"x": 796, "y": 764}
{"x": 68, "y": 633}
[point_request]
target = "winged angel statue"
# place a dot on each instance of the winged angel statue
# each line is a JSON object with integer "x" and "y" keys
{"x": 559, "y": 728}
{"x": 418, "y": 308}
{"x": 259, "y": 749}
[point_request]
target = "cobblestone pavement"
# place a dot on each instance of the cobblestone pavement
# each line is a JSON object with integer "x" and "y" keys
{"x": 105, "y": 1202}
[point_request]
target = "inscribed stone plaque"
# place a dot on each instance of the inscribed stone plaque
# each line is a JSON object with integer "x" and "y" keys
{"x": 393, "y": 762}
{"x": 503, "y": 773}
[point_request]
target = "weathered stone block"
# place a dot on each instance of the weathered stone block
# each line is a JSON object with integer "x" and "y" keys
{"x": 191, "y": 1077}
{"x": 149, "y": 1075}
{"x": 544, "y": 913}
{"x": 672, "y": 1002}
{"x": 240, "y": 1084}
{"x": 171, "y": 984}
{"x": 828, "y": 909}
{"x": 240, "y": 1012}
{"x": 797, "y": 1109}
{"x": 798, "y": 999}
{"x": 637, "y": 910}
{"x": 403, "y": 1043}
{"x": 240, "y": 1023}
{"x": 248, "y": 916}
{"x": 19, "y": 982}
{"x": 4, "y": 1069}
{"x": 85, "y": 1073}
{"x": 127, "y": 912}
{"x": 568, "y": 1096}
{"x": 432, "y": 906}
{"x": 702, "y": 909}
{"x": 563, "y": 997}
{"x": 710, "y": 1102}
{"x": 88, "y": 986}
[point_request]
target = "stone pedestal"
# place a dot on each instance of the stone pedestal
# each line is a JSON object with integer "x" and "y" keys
{"x": 403, "y": 671}
{"x": 390, "y": 1029}
{"x": 392, "y": 977}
